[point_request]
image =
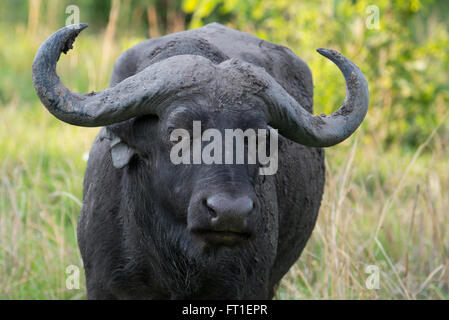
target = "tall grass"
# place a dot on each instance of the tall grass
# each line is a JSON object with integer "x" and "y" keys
{"x": 383, "y": 207}
{"x": 41, "y": 172}
{"x": 386, "y": 209}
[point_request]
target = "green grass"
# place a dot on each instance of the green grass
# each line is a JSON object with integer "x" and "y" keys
{"x": 41, "y": 173}
{"x": 387, "y": 209}
{"x": 383, "y": 206}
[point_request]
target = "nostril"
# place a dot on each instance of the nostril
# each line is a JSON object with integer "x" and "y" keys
{"x": 210, "y": 208}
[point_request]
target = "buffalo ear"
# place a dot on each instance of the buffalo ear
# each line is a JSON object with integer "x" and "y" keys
{"x": 121, "y": 153}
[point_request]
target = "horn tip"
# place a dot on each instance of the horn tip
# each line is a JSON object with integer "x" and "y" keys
{"x": 81, "y": 26}
{"x": 328, "y": 53}
{"x": 77, "y": 26}
{"x": 75, "y": 31}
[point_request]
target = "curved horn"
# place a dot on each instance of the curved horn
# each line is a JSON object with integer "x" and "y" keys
{"x": 294, "y": 122}
{"x": 132, "y": 97}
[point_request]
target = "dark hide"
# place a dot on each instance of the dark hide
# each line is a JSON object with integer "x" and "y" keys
{"x": 132, "y": 230}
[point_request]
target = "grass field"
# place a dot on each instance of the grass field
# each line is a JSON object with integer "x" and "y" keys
{"x": 383, "y": 207}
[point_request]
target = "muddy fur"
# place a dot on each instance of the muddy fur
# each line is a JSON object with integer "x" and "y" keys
{"x": 132, "y": 229}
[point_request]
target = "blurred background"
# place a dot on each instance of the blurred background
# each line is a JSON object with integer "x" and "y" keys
{"x": 383, "y": 226}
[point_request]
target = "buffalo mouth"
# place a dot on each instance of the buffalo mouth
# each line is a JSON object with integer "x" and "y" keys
{"x": 221, "y": 237}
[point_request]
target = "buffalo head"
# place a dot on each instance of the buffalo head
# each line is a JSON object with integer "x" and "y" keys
{"x": 213, "y": 204}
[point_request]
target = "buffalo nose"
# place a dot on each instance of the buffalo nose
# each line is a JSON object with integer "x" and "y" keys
{"x": 229, "y": 213}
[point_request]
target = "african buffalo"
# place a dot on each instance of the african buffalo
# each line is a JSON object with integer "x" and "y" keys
{"x": 152, "y": 229}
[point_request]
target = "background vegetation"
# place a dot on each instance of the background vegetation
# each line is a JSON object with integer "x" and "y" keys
{"x": 385, "y": 202}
